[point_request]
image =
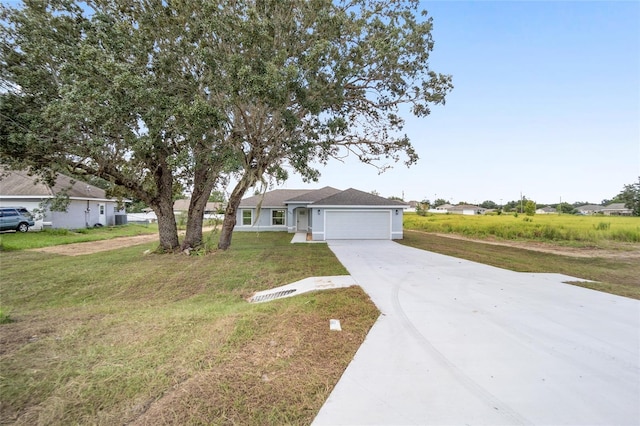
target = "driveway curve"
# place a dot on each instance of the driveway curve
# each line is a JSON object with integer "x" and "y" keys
{"x": 465, "y": 343}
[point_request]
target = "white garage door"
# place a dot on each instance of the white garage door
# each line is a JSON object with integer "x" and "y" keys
{"x": 358, "y": 225}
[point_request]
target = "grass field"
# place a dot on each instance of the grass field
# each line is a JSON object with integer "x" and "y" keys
{"x": 560, "y": 229}
{"x": 120, "y": 337}
{"x": 609, "y": 246}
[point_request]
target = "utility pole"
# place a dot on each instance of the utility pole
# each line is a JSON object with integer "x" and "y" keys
{"x": 521, "y": 202}
{"x": 560, "y": 206}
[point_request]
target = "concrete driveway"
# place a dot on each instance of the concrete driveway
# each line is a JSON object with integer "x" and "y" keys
{"x": 461, "y": 343}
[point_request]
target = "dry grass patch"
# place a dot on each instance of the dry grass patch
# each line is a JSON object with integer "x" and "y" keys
{"x": 274, "y": 369}
{"x": 121, "y": 337}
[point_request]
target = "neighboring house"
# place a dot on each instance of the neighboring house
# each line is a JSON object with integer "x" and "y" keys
{"x": 211, "y": 209}
{"x": 444, "y": 208}
{"x": 326, "y": 214}
{"x": 466, "y": 209}
{"x": 546, "y": 210}
{"x": 413, "y": 206}
{"x": 589, "y": 209}
{"x": 616, "y": 209}
{"x": 88, "y": 204}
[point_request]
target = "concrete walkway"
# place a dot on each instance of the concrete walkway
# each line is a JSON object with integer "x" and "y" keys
{"x": 464, "y": 343}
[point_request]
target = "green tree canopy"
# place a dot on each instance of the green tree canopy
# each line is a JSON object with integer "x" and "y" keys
{"x": 630, "y": 195}
{"x": 154, "y": 95}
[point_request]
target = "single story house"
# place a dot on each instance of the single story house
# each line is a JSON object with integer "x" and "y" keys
{"x": 88, "y": 205}
{"x": 443, "y": 208}
{"x": 326, "y": 214}
{"x": 182, "y": 206}
{"x": 589, "y": 209}
{"x": 466, "y": 209}
{"x": 616, "y": 209}
{"x": 546, "y": 210}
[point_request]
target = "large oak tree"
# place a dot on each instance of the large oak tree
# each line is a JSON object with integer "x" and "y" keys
{"x": 153, "y": 94}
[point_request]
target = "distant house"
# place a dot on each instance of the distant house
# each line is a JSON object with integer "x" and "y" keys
{"x": 589, "y": 209}
{"x": 546, "y": 210}
{"x": 444, "y": 208}
{"x": 467, "y": 209}
{"x": 182, "y": 206}
{"x": 326, "y": 213}
{"x": 616, "y": 209}
{"x": 413, "y": 206}
{"x": 88, "y": 205}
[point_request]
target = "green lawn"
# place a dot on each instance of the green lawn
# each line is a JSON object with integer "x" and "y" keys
{"x": 121, "y": 337}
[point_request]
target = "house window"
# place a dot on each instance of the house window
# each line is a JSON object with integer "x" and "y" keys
{"x": 247, "y": 217}
{"x": 277, "y": 217}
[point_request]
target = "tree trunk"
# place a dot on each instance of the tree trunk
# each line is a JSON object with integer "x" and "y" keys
{"x": 167, "y": 228}
{"x": 202, "y": 187}
{"x": 232, "y": 207}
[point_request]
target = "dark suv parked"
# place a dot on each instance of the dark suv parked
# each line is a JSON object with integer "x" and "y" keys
{"x": 15, "y": 218}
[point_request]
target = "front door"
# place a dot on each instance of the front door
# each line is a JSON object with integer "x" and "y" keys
{"x": 302, "y": 219}
{"x": 102, "y": 214}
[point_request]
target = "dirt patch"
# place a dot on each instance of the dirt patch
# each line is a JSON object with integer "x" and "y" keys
{"x": 616, "y": 251}
{"x": 78, "y": 249}
{"x": 91, "y": 247}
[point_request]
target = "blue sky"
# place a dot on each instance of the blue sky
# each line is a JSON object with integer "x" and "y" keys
{"x": 546, "y": 102}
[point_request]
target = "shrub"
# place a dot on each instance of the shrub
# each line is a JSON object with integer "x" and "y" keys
{"x": 4, "y": 317}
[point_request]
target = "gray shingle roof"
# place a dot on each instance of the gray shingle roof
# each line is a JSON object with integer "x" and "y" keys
{"x": 354, "y": 197}
{"x": 315, "y": 195}
{"x": 326, "y": 196}
{"x": 274, "y": 198}
{"x": 19, "y": 183}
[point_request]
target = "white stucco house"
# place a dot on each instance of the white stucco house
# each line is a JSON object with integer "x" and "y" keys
{"x": 325, "y": 214}
{"x": 546, "y": 210}
{"x": 88, "y": 205}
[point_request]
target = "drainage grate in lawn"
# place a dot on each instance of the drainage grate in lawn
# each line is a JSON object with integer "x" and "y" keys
{"x": 271, "y": 296}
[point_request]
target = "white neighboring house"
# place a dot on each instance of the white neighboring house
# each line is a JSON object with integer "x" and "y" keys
{"x": 466, "y": 209}
{"x": 590, "y": 209}
{"x": 88, "y": 204}
{"x": 443, "y": 208}
{"x": 546, "y": 210}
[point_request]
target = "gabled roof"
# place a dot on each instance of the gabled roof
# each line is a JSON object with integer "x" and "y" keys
{"x": 354, "y": 197}
{"x": 314, "y": 195}
{"x": 20, "y": 184}
{"x": 616, "y": 206}
{"x": 465, "y": 207}
{"x": 590, "y": 207}
{"x": 275, "y": 198}
{"x": 326, "y": 196}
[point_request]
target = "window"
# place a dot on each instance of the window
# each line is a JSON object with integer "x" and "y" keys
{"x": 277, "y": 217}
{"x": 247, "y": 217}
